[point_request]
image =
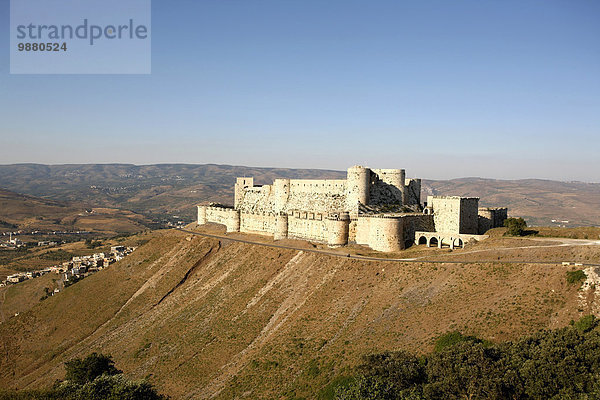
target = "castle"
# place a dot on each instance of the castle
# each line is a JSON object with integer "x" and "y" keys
{"x": 379, "y": 208}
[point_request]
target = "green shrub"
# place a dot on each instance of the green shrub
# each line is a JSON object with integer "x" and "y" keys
{"x": 586, "y": 323}
{"x": 93, "y": 378}
{"x": 556, "y": 365}
{"x": 576, "y": 276}
{"x": 452, "y": 338}
{"x": 82, "y": 371}
{"x": 516, "y": 226}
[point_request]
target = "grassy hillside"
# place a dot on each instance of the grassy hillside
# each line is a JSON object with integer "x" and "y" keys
{"x": 202, "y": 317}
{"x": 161, "y": 191}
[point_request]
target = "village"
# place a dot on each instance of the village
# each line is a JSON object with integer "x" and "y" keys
{"x": 76, "y": 269}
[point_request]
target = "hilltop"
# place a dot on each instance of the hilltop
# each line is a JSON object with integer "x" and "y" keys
{"x": 166, "y": 191}
{"x": 205, "y": 317}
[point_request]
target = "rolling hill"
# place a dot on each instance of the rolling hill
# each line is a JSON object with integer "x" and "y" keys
{"x": 162, "y": 191}
{"x": 24, "y": 212}
{"x": 209, "y": 318}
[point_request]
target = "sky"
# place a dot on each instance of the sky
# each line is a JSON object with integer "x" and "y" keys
{"x": 445, "y": 89}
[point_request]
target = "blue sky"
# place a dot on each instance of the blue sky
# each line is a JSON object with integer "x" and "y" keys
{"x": 445, "y": 89}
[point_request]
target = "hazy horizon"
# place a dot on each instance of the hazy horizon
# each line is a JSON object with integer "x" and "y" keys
{"x": 502, "y": 90}
{"x": 408, "y": 175}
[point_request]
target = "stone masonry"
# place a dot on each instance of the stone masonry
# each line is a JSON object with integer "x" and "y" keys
{"x": 379, "y": 208}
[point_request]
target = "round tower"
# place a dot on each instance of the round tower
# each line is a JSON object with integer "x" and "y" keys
{"x": 338, "y": 229}
{"x": 282, "y": 193}
{"x": 281, "y": 226}
{"x": 233, "y": 221}
{"x": 386, "y": 234}
{"x": 358, "y": 185}
{"x": 201, "y": 215}
{"x": 395, "y": 178}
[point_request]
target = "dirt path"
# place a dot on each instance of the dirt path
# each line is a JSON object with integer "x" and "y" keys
{"x": 561, "y": 243}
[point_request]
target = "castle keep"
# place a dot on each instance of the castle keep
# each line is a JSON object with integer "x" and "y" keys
{"x": 379, "y": 208}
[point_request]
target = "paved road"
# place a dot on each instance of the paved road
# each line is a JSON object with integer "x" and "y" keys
{"x": 380, "y": 259}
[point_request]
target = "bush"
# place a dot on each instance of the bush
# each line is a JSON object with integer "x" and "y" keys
{"x": 92, "y": 378}
{"x": 576, "y": 276}
{"x": 452, "y": 338}
{"x": 560, "y": 364}
{"x": 586, "y": 323}
{"x": 516, "y": 226}
{"x": 82, "y": 371}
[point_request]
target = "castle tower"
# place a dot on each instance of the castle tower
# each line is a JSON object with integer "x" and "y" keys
{"x": 338, "y": 228}
{"x": 282, "y": 193}
{"x": 233, "y": 221}
{"x": 240, "y": 185}
{"x": 386, "y": 234}
{"x": 201, "y": 215}
{"x": 412, "y": 192}
{"x": 281, "y": 226}
{"x": 358, "y": 185}
{"x": 395, "y": 178}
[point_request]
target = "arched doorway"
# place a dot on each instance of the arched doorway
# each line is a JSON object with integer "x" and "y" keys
{"x": 433, "y": 242}
{"x": 422, "y": 240}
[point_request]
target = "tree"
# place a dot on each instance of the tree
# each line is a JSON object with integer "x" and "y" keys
{"x": 516, "y": 226}
{"x": 82, "y": 371}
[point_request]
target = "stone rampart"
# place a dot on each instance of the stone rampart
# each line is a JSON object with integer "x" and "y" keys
{"x": 229, "y": 217}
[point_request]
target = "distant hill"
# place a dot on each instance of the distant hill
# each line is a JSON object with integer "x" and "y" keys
{"x": 538, "y": 201}
{"x": 164, "y": 190}
{"x": 24, "y": 212}
{"x": 158, "y": 191}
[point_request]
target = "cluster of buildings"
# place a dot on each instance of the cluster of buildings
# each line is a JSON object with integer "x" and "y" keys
{"x": 77, "y": 267}
{"x": 379, "y": 208}
{"x": 13, "y": 243}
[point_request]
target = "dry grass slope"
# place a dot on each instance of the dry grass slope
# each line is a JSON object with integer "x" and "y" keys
{"x": 205, "y": 318}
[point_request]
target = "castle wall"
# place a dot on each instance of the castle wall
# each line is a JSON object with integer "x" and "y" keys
{"x": 307, "y": 225}
{"x": 415, "y": 223}
{"x": 452, "y": 214}
{"x": 323, "y": 186}
{"x": 221, "y": 215}
{"x": 413, "y": 192}
{"x": 469, "y": 220}
{"x": 262, "y": 224}
{"x": 363, "y": 227}
{"x": 491, "y": 218}
{"x": 321, "y": 196}
{"x": 258, "y": 199}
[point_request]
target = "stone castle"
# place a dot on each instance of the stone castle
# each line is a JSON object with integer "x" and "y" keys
{"x": 379, "y": 208}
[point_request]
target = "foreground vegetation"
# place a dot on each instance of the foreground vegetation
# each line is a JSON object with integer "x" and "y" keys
{"x": 558, "y": 364}
{"x": 93, "y": 378}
